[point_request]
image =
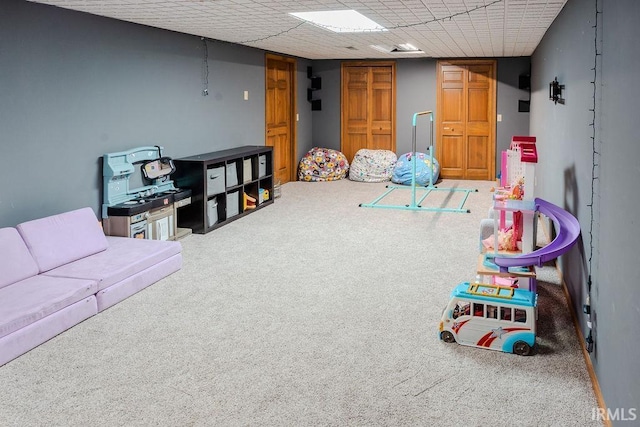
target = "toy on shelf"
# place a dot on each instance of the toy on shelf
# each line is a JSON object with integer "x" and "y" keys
{"x": 263, "y": 195}
{"x": 248, "y": 202}
{"x": 568, "y": 229}
{"x": 489, "y": 272}
{"x": 506, "y": 239}
{"x": 515, "y": 191}
{"x": 518, "y": 180}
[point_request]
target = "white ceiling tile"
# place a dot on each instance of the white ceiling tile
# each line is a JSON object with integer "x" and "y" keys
{"x": 441, "y": 28}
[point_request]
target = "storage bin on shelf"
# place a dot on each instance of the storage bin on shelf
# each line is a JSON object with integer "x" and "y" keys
{"x": 215, "y": 180}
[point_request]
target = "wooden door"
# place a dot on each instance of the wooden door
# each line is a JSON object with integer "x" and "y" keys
{"x": 279, "y": 115}
{"x": 368, "y": 107}
{"x": 465, "y": 119}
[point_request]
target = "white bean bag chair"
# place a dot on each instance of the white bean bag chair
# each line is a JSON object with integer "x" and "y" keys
{"x": 372, "y": 165}
{"x": 323, "y": 164}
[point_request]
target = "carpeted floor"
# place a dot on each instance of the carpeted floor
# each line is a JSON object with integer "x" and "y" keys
{"x": 312, "y": 311}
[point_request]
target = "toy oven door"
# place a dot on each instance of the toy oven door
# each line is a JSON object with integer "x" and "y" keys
{"x": 138, "y": 230}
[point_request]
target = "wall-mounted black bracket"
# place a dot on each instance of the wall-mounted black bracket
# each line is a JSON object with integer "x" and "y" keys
{"x": 555, "y": 92}
{"x": 316, "y": 84}
{"x": 524, "y": 82}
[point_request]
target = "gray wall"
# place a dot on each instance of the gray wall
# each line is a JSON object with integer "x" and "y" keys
{"x": 416, "y": 91}
{"x": 326, "y": 122}
{"x": 617, "y": 286}
{"x": 509, "y": 93}
{"x": 75, "y": 86}
{"x": 304, "y": 132}
{"x": 565, "y": 149}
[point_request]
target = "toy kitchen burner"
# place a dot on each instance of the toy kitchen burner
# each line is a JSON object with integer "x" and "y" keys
{"x": 139, "y": 199}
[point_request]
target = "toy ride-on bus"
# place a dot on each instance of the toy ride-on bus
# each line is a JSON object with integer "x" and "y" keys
{"x": 491, "y": 316}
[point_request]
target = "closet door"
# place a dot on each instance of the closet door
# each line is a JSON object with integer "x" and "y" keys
{"x": 279, "y": 115}
{"x": 465, "y": 117}
{"x": 368, "y": 107}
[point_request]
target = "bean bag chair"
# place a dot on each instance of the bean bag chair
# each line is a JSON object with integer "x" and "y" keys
{"x": 404, "y": 167}
{"x": 323, "y": 164}
{"x": 372, "y": 165}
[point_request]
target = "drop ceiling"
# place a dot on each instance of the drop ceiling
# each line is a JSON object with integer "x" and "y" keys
{"x": 439, "y": 28}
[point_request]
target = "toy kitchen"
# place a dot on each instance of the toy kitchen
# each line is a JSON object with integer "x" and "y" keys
{"x": 139, "y": 199}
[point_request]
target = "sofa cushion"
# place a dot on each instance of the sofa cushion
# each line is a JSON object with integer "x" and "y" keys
{"x": 59, "y": 239}
{"x": 124, "y": 258}
{"x": 16, "y": 263}
{"x": 27, "y": 301}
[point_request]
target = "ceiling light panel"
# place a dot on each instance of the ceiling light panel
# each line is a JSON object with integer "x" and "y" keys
{"x": 340, "y": 21}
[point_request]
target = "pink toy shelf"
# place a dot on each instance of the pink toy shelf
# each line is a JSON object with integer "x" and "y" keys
{"x": 528, "y": 152}
{"x": 517, "y": 140}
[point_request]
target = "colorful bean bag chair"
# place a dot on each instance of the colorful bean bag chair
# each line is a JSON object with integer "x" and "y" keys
{"x": 404, "y": 168}
{"x": 372, "y": 165}
{"x": 323, "y": 164}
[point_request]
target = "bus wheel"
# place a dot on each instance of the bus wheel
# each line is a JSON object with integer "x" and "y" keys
{"x": 521, "y": 348}
{"x": 447, "y": 336}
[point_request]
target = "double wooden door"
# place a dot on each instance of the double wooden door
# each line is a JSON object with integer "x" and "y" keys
{"x": 279, "y": 115}
{"x": 465, "y": 119}
{"x": 368, "y": 107}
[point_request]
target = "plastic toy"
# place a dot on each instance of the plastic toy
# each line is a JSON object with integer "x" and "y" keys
{"x": 412, "y": 157}
{"x": 248, "y": 202}
{"x": 567, "y": 227}
{"x": 492, "y": 317}
{"x": 504, "y": 317}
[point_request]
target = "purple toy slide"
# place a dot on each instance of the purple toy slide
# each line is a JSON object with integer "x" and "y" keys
{"x": 568, "y": 229}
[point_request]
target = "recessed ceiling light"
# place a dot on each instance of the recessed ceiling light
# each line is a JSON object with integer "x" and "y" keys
{"x": 399, "y": 48}
{"x": 406, "y": 48}
{"x": 340, "y": 21}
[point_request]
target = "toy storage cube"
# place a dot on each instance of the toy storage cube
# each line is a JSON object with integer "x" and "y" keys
{"x": 215, "y": 181}
{"x": 262, "y": 166}
{"x": 233, "y": 204}
{"x": 247, "y": 173}
{"x": 232, "y": 174}
{"x": 212, "y": 211}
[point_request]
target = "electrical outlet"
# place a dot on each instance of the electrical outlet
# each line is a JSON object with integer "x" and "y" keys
{"x": 246, "y": 95}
